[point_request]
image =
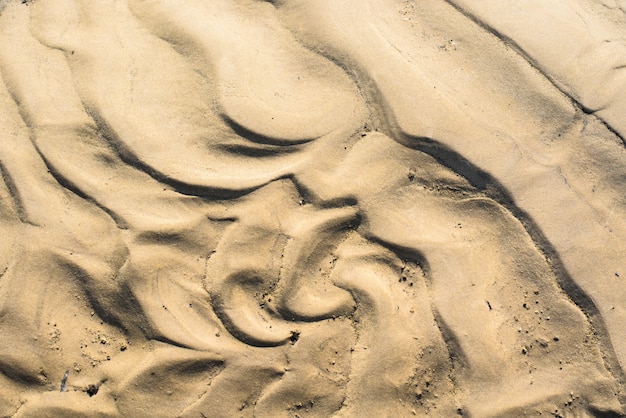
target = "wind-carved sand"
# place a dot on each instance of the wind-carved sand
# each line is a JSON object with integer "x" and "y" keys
{"x": 291, "y": 208}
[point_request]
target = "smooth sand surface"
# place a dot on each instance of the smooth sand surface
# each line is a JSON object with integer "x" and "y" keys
{"x": 295, "y": 208}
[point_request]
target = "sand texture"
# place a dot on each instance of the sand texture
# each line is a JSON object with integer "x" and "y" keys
{"x": 297, "y": 208}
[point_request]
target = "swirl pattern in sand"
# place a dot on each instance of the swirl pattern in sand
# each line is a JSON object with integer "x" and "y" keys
{"x": 292, "y": 208}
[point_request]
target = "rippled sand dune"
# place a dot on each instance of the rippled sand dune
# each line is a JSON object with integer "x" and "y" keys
{"x": 290, "y": 208}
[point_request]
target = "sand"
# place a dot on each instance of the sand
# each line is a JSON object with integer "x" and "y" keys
{"x": 290, "y": 208}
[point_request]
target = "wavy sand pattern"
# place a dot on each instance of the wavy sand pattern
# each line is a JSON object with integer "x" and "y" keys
{"x": 246, "y": 208}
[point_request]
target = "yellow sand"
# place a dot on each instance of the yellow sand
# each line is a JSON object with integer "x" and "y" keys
{"x": 295, "y": 208}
